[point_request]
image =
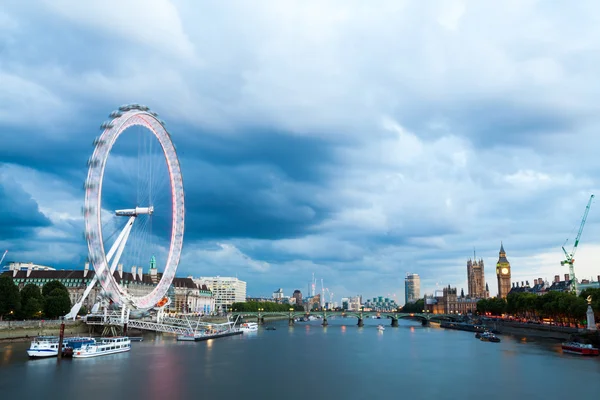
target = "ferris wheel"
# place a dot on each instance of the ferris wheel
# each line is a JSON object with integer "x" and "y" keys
{"x": 136, "y": 196}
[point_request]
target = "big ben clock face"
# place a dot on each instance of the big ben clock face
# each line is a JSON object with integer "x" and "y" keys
{"x": 504, "y": 271}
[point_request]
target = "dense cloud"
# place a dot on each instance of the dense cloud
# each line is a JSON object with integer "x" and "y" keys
{"x": 355, "y": 142}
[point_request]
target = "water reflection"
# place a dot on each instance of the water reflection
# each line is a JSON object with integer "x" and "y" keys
{"x": 431, "y": 359}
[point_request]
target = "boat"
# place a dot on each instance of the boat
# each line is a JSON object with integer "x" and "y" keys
{"x": 43, "y": 346}
{"x": 136, "y": 338}
{"x": 489, "y": 337}
{"x": 380, "y": 328}
{"x": 248, "y": 327}
{"x": 70, "y": 345}
{"x": 205, "y": 331}
{"x": 186, "y": 337}
{"x": 105, "y": 346}
{"x": 579, "y": 348}
{"x": 47, "y": 346}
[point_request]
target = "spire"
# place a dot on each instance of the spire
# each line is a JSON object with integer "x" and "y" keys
{"x": 462, "y": 293}
{"x": 487, "y": 288}
{"x": 502, "y": 248}
{"x": 153, "y": 262}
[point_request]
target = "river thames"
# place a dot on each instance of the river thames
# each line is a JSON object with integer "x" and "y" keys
{"x": 308, "y": 361}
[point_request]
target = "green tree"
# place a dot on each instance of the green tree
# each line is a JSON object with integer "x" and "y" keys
{"x": 57, "y": 303}
{"x": 31, "y": 301}
{"x": 267, "y": 306}
{"x": 416, "y": 307}
{"x": 50, "y": 286}
{"x": 10, "y": 298}
{"x": 32, "y": 308}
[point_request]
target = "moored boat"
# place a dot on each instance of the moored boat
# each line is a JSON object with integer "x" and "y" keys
{"x": 104, "y": 347}
{"x": 70, "y": 345}
{"x": 43, "y": 346}
{"x": 248, "y": 327}
{"x": 579, "y": 348}
{"x": 47, "y": 346}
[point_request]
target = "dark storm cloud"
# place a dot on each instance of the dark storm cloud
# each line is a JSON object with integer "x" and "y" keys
{"x": 19, "y": 213}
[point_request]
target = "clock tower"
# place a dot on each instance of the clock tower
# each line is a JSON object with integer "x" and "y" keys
{"x": 503, "y": 273}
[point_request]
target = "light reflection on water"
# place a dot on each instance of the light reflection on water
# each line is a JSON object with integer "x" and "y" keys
{"x": 340, "y": 361}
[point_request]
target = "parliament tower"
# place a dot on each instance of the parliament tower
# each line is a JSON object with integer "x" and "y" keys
{"x": 503, "y": 273}
{"x": 476, "y": 279}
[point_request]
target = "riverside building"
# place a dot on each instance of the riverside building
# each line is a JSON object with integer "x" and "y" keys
{"x": 226, "y": 290}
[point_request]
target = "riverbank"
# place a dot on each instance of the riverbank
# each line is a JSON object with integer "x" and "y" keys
{"x": 11, "y": 331}
{"x": 532, "y": 330}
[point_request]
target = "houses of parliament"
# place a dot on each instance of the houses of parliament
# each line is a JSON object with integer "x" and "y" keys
{"x": 478, "y": 288}
{"x": 450, "y": 302}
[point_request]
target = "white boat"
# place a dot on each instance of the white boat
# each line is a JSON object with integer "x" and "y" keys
{"x": 104, "y": 347}
{"x": 43, "y": 346}
{"x": 47, "y": 346}
{"x": 380, "y": 328}
{"x": 249, "y": 327}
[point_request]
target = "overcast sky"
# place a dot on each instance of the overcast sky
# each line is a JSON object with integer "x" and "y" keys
{"x": 356, "y": 140}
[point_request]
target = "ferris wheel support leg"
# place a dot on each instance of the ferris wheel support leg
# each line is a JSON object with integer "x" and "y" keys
{"x": 118, "y": 244}
{"x": 122, "y": 244}
{"x": 119, "y": 239}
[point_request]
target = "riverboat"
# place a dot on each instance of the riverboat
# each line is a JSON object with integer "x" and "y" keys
{"x": 47, "y": 346}
{"x": 201, "y": 336}
{"x": 248, "y": 327}
{"x": 43, "y": 346}
{"x": 106, "y": 346}
{"x": 489, "y": 337}
{"x": 579, "y": 348}
{"x": 380, "y": 328}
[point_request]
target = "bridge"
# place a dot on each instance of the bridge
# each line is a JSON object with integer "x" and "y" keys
{"x": 425, "y": 318}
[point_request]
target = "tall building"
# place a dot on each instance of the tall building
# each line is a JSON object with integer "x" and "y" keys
{"x": 278, "y": 295}
{"x": 412, "y": 288}
{"x": 476, "y": 279}
{"x": 503, "y": 273}
{"x": 226, "y": 290}
{"x": 298, "y": 296}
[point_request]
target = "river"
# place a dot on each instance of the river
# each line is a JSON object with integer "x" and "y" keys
{"x": 308, "y": 361}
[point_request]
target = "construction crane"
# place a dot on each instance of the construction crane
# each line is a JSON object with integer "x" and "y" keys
{"x": 570, "y": 257}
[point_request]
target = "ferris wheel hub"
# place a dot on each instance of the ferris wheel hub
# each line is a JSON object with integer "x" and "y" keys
{"x": 134, "y": 212}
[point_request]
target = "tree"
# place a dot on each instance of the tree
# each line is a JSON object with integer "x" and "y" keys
{"x": 10, "y": 298}
{"x": 32, "y": 301}
{"x": 595, "y": 293}
{"x": 416, "y": 307}
{"x": 267, "y": 306}
{"x": 57, "y": 303}
{"x": 50, "y": 286}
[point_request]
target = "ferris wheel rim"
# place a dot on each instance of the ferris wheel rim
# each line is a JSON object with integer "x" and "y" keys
{"x": 93, "y": 205}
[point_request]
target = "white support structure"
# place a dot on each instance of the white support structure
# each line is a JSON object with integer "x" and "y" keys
{"x": 3, "y": 256}
{"x": 118, "y": 247}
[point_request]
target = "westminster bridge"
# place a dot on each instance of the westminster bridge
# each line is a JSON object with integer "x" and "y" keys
{"x": 424, "y": 318}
